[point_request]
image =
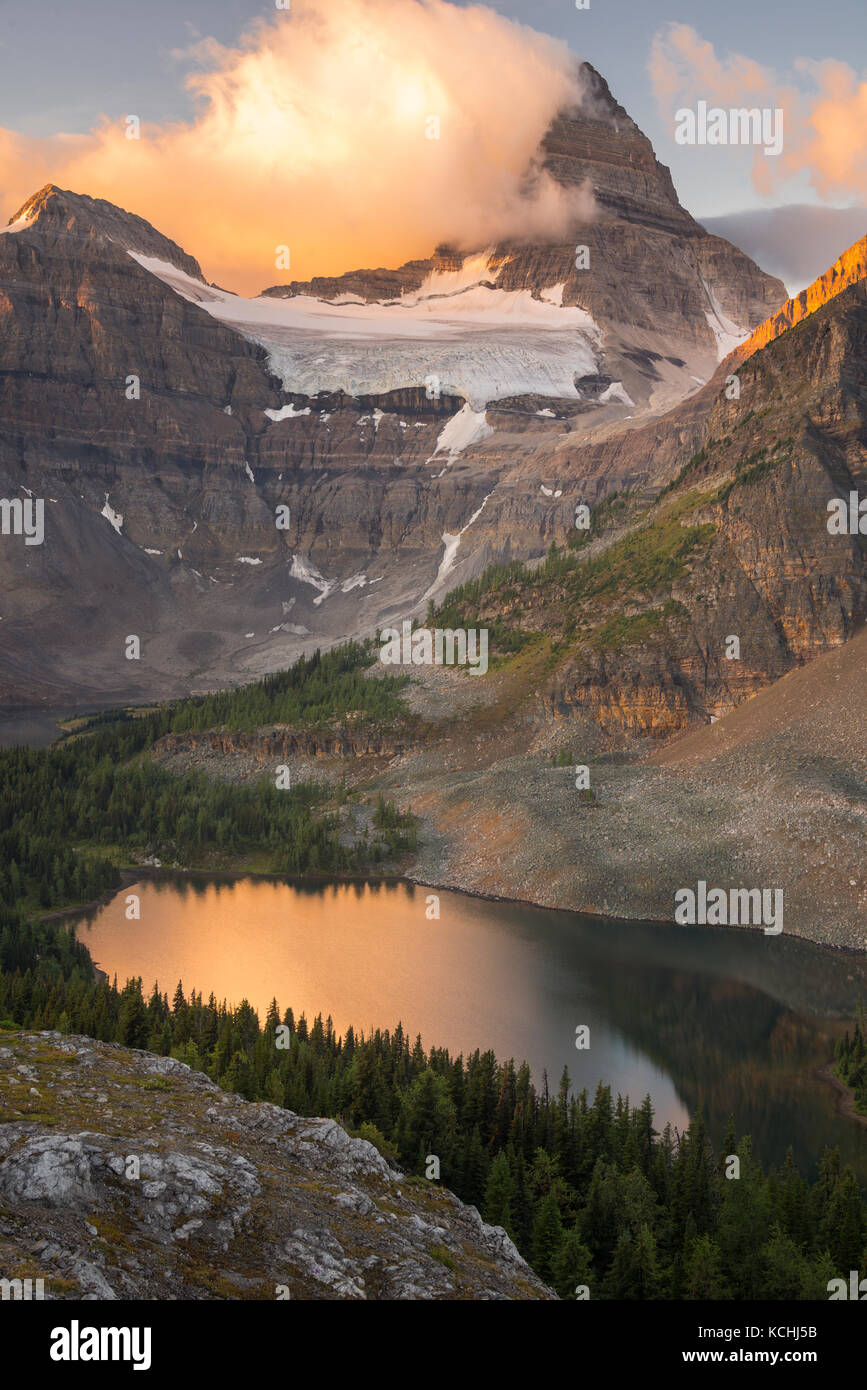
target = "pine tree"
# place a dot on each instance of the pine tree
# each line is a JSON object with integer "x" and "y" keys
{"x": 133, "y": 1028}
{"x": 547, "y": 1237}
{"x": 702, "y": 1270}
{"x": 842, "y": 1228}
{"x": 499, "y": 1195}
{"x": 635, "y": 1271}
{"x": 572, "y": 1266}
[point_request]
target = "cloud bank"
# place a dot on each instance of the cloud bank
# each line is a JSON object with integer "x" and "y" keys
{"x": 315, "y": 133}
{"x": 825, "y": 109}
{"x": 797, "y": 242}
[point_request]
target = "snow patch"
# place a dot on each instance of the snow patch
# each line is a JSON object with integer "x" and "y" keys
{"x": 554, "y": 295}
{"x": 466, "y": 428}
{"x": 616, "y": 392}
{"x": 287, "y": 412}
{"x": 246, "y": 560}
{"x": 451, "y": 544}
{"x": 112, "y": 517}
{"x": 248, "y": 470}
{"x": 18, "y": 225}
{"x": 308, "y": 574}
{"x": 441, "y": 284}
{"x": 727, "y": 333}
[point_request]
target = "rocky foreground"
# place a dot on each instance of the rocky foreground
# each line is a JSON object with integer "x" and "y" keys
{"x": 124, "y": 1175}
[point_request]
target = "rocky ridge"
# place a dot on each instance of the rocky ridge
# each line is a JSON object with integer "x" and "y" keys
{"x": 848, "y": 269}
{"x": 124, "y": 1175}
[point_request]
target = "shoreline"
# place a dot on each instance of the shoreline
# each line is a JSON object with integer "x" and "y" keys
{"x": 846, "y": 1097}
{"x": 131, "y": 873}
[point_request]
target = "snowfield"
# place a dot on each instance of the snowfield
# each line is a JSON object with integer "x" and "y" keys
{"x": 463, "y": 430}
{"x": 475, "y": 340}
{"x": 728, "y": 335}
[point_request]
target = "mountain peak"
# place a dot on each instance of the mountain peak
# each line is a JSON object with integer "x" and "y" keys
{"x": 31, "y": 209}
{"x": 597, "y": 140}
{"x": 61, "y": 211}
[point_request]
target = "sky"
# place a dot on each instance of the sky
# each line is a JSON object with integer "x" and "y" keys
{"x": 312, "y": 125}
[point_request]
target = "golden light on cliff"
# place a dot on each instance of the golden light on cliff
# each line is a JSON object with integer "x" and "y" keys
{"x": 847, "y": 270}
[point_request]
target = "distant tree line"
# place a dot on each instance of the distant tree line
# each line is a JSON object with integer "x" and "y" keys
{"x": 851, "y": 1063}
{"x": 318, "y": 689}
{"x": 61, "y": 807}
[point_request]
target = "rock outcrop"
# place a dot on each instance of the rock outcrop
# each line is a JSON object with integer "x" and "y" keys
{"x": 124, "y": 1175}
{"x": 268, "y": 744}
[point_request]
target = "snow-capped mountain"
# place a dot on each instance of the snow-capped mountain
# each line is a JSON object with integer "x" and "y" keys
{"x": 416, "y": 423}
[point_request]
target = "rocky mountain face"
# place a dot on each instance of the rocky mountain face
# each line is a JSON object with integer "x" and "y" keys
{"x": 124, "y": 1175}
{"x": 747, "y": 480}
{"x": 848, "y": 269}
{"x": 666, "y": 293}
{"x": 653, "y": 270}
{"x": 162, "y": 422}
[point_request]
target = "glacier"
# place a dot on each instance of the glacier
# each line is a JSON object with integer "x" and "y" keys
{"x": 479, "y": 342}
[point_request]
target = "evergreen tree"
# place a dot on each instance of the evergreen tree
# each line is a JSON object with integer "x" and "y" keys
{"x": 702, "y": 1276}
{"x": 572, "y": 1267}
{"x": 500, "y": 1194}
{"x": 635, "y": 1271}
{"x": 547, "y": 1237}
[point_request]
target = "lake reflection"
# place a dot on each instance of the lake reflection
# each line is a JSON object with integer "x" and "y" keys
{"x": 734, "y": 1021}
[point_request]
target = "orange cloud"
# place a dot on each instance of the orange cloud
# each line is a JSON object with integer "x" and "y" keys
{"x": 824, "y": 128}
{"x": 683, "y": 67}
{"x": 829, "y": 133}
{"x": 314, "y": 133}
